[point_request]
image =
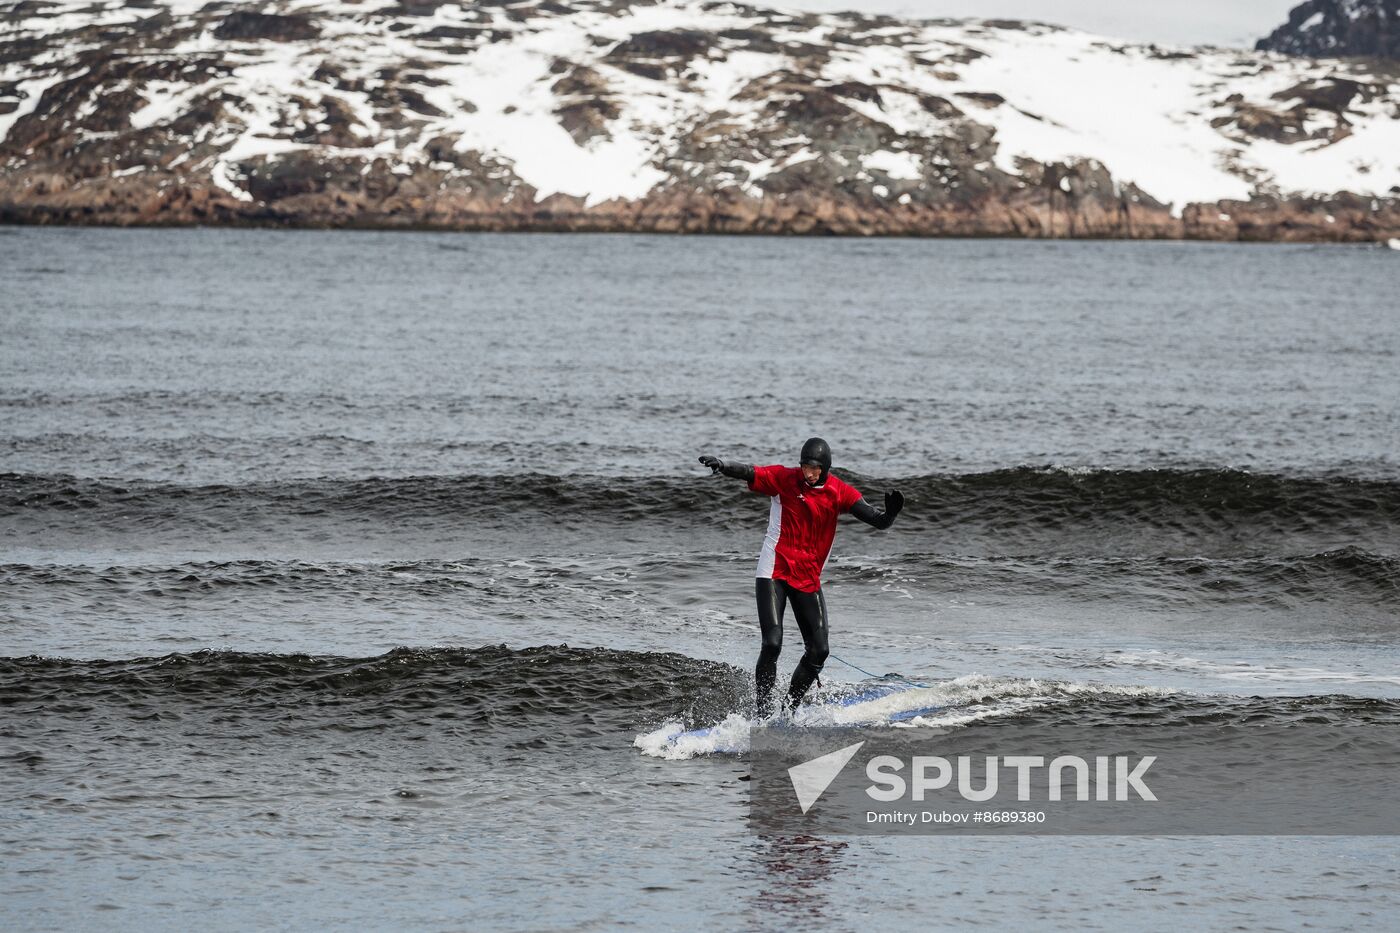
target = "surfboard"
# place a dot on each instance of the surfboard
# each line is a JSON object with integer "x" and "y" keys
{"x": 869, "y": 703}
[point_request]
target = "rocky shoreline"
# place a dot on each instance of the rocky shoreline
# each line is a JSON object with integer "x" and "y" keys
{"x": 1036, "y": 214}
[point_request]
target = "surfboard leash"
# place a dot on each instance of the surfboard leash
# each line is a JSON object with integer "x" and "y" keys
{"x": 861, "y": 669}
{"x": 901, "y": 677}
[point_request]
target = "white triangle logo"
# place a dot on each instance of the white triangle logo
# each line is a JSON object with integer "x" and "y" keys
{"x": 811, "y": 778}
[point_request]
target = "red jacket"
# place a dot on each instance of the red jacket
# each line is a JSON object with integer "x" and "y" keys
{"x": 801, "y": 524}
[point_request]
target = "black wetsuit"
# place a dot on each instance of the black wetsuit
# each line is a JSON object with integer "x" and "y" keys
{"x": 810, "y": 611}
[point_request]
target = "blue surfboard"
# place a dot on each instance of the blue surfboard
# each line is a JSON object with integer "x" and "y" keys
{"x": 811, "y": 712}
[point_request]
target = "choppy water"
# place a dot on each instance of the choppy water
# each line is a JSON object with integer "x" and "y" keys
{"x": 342, "y": 571}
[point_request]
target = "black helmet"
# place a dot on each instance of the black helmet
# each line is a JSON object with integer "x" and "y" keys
{"x": 818, "y": 453}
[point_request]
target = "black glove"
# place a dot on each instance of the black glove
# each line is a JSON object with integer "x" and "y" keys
{"x": 732, "y": 469}
{"x": 863, "y": 510}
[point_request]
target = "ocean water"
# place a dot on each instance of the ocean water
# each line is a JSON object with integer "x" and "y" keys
{"x": 348, "y": 579}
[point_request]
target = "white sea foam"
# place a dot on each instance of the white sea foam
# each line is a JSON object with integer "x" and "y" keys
{"x": 956, "y": 702}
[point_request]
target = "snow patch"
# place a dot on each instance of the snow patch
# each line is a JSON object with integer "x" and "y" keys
{"x": 900, "y": 165}
{"x": 29, "y": 93}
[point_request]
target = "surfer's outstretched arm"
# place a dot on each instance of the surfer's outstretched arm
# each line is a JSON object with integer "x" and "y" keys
{"x": 730, "y": 468}
{"x": 879, "y": 518}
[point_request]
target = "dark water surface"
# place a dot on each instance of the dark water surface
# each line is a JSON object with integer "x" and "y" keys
{"x": 340, "y": 572}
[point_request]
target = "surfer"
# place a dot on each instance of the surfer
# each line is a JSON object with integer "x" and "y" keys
{"x": 805, "y": 503}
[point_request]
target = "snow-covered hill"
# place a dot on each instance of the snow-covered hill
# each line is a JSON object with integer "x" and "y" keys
{"x": 618, "y": 114}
